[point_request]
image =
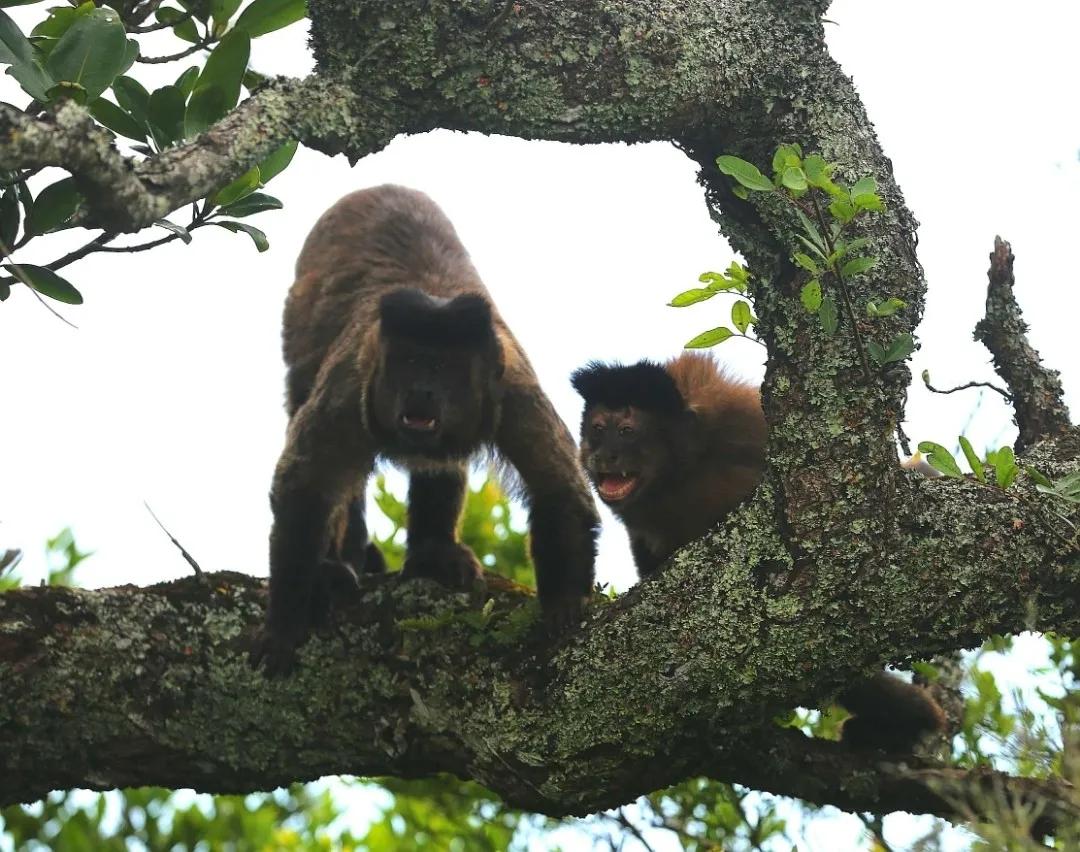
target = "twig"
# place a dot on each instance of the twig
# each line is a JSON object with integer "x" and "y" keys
{"x": 874, "y": 824}
{"x": 623, "y": 820}
{"x": 173, "y": 57}
{"x": 160, "y": 25}
{"x": 991, "y": 385}
{"x": 146, "y": 246}
{"x": 140, "y": 14}
{"x": 845, "y": 295}
{"x": 187, "y": 556}
{"x": 94, "y": 245}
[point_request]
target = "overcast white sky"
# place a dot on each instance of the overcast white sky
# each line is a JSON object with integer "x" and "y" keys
{"x": 171, "y": 389}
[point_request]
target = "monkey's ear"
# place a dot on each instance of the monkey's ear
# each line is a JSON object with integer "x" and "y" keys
{"x": 645, "y": 385}
{"x": 462, "y": 321}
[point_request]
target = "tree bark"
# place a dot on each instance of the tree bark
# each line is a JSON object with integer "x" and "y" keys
{"x": 840, "y": 563}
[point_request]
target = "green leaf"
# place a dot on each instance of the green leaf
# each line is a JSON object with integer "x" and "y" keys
{"x": 794, "y": 178}
{"x": 884, "y": 309}
{"x": 741, "y": 316}
{"x": 691, "y": 297}
{"x": 186, "y": 81}
{"x": 225, "y": 67}
{"x": 876, "y": 350}
{"x": 92, "y": 53}
{"x": 118, "y": 121}
{"x": 972, "y": 459}
{"x": 257, "y": 202}
{"x": 745, "y": 173}
{"x": 16, "y": 51}
{"x": 265, "y": 16}
{"x": 183, "y": 26}
{"x": 1038, "y": 478}
{"x": 857, "y": 266}
{"x": 810, "y": 295}
{"x": 46, "y": 282}
{"x": 866, "y": 186}
{"x": 899, "y": 348}
{"x": 1069, "y": 486}
{"x": 812, "y": 248}
{"x": 257, "y": 236}
{"x": 739, "y": 191}
{"x": 199, "y": 8}
{"x": 737, "y": 272}
{"x": 817, "y": 171}
{"x": 718, "y": 281}
{"x": 222, "y": 10}
{"x": 247, "y": 183}
{"x": 1005, "y": 468}
{"x": 131, "y": 53}
{"x": 132, "y": 97}
{"x": 807, "y": 263}
{"x": 786, "y": 156}
{"x": 206, "y": 106}
{"x": 709, "y": 338}
{"x": 869, "y": 202}
{"x": 940, "y": 459}
{"x": 179, "y": 230}
{"x": 811, "y": 234}
{"x": 166, "y": 115}
{"x": 828, "y": 316}
{"x": 843, "y": 210}
{"x": 59, "y": 20}
{"x": 54, "y": 205}
{"x": 10, "y": 215}
{"x": 14, "y": 46}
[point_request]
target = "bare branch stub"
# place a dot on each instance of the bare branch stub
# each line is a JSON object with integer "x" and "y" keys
{"x": 1039, "y": 407}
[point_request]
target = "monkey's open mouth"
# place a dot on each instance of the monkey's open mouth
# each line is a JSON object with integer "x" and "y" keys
{"x": 418, "y": 423}
{"x": 616, "y": 486}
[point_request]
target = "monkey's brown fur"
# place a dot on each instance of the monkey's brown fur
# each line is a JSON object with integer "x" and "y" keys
{"x": 673, "y": 449}
{"x": 395, "y": 350}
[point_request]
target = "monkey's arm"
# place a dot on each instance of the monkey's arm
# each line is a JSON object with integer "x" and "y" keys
{"x": 326, "y": 455}
{"x": 562, "y": 517}
{"x": 644, "y": 559}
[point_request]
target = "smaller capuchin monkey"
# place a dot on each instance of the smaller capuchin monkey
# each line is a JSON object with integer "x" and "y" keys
{"x": 672, "y": 449}
{"x": 395, "y": 351}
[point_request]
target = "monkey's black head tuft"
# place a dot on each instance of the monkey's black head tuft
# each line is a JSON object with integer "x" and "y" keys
{"x": 645, "y": 385}
{"x": 462, "y": 321}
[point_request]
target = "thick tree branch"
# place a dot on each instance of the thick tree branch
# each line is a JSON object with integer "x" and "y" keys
{"x": 1038, "y": 399}
{"x": 842, "y": 562}
{"x": 124, "y": 194}
{"x": 136, "y": 686}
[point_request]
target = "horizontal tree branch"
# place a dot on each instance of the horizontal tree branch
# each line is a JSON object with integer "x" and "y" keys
{"x": 131, "y": 686}
{"x": 1037, "y": 395}
{"x": 125, "y": 194}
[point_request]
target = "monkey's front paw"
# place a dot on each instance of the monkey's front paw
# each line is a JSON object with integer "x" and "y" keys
{"x": 275, "y": 651}
{"x": 446, "y": 562}
{"x": 563, "y": 613}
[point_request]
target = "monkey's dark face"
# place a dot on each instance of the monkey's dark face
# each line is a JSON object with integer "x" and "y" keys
{"x": 434, "y": 389}
{"x": 626, "y": 452}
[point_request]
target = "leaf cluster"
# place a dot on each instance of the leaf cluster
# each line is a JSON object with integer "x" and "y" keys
{"x": 88, "y": 53}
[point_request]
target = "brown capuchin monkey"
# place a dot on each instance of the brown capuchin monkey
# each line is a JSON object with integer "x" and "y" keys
{"x": 395, "y": 351}
{"x": 672, "y": 449}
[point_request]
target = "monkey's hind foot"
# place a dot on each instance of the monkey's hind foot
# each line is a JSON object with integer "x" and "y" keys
{"x": 563, "y": 613}
{"x": 446, "y": 562}
{"x": 275, "y": 651}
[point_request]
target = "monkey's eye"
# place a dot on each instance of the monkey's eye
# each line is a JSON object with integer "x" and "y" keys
{"x": 626, "y": 431}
